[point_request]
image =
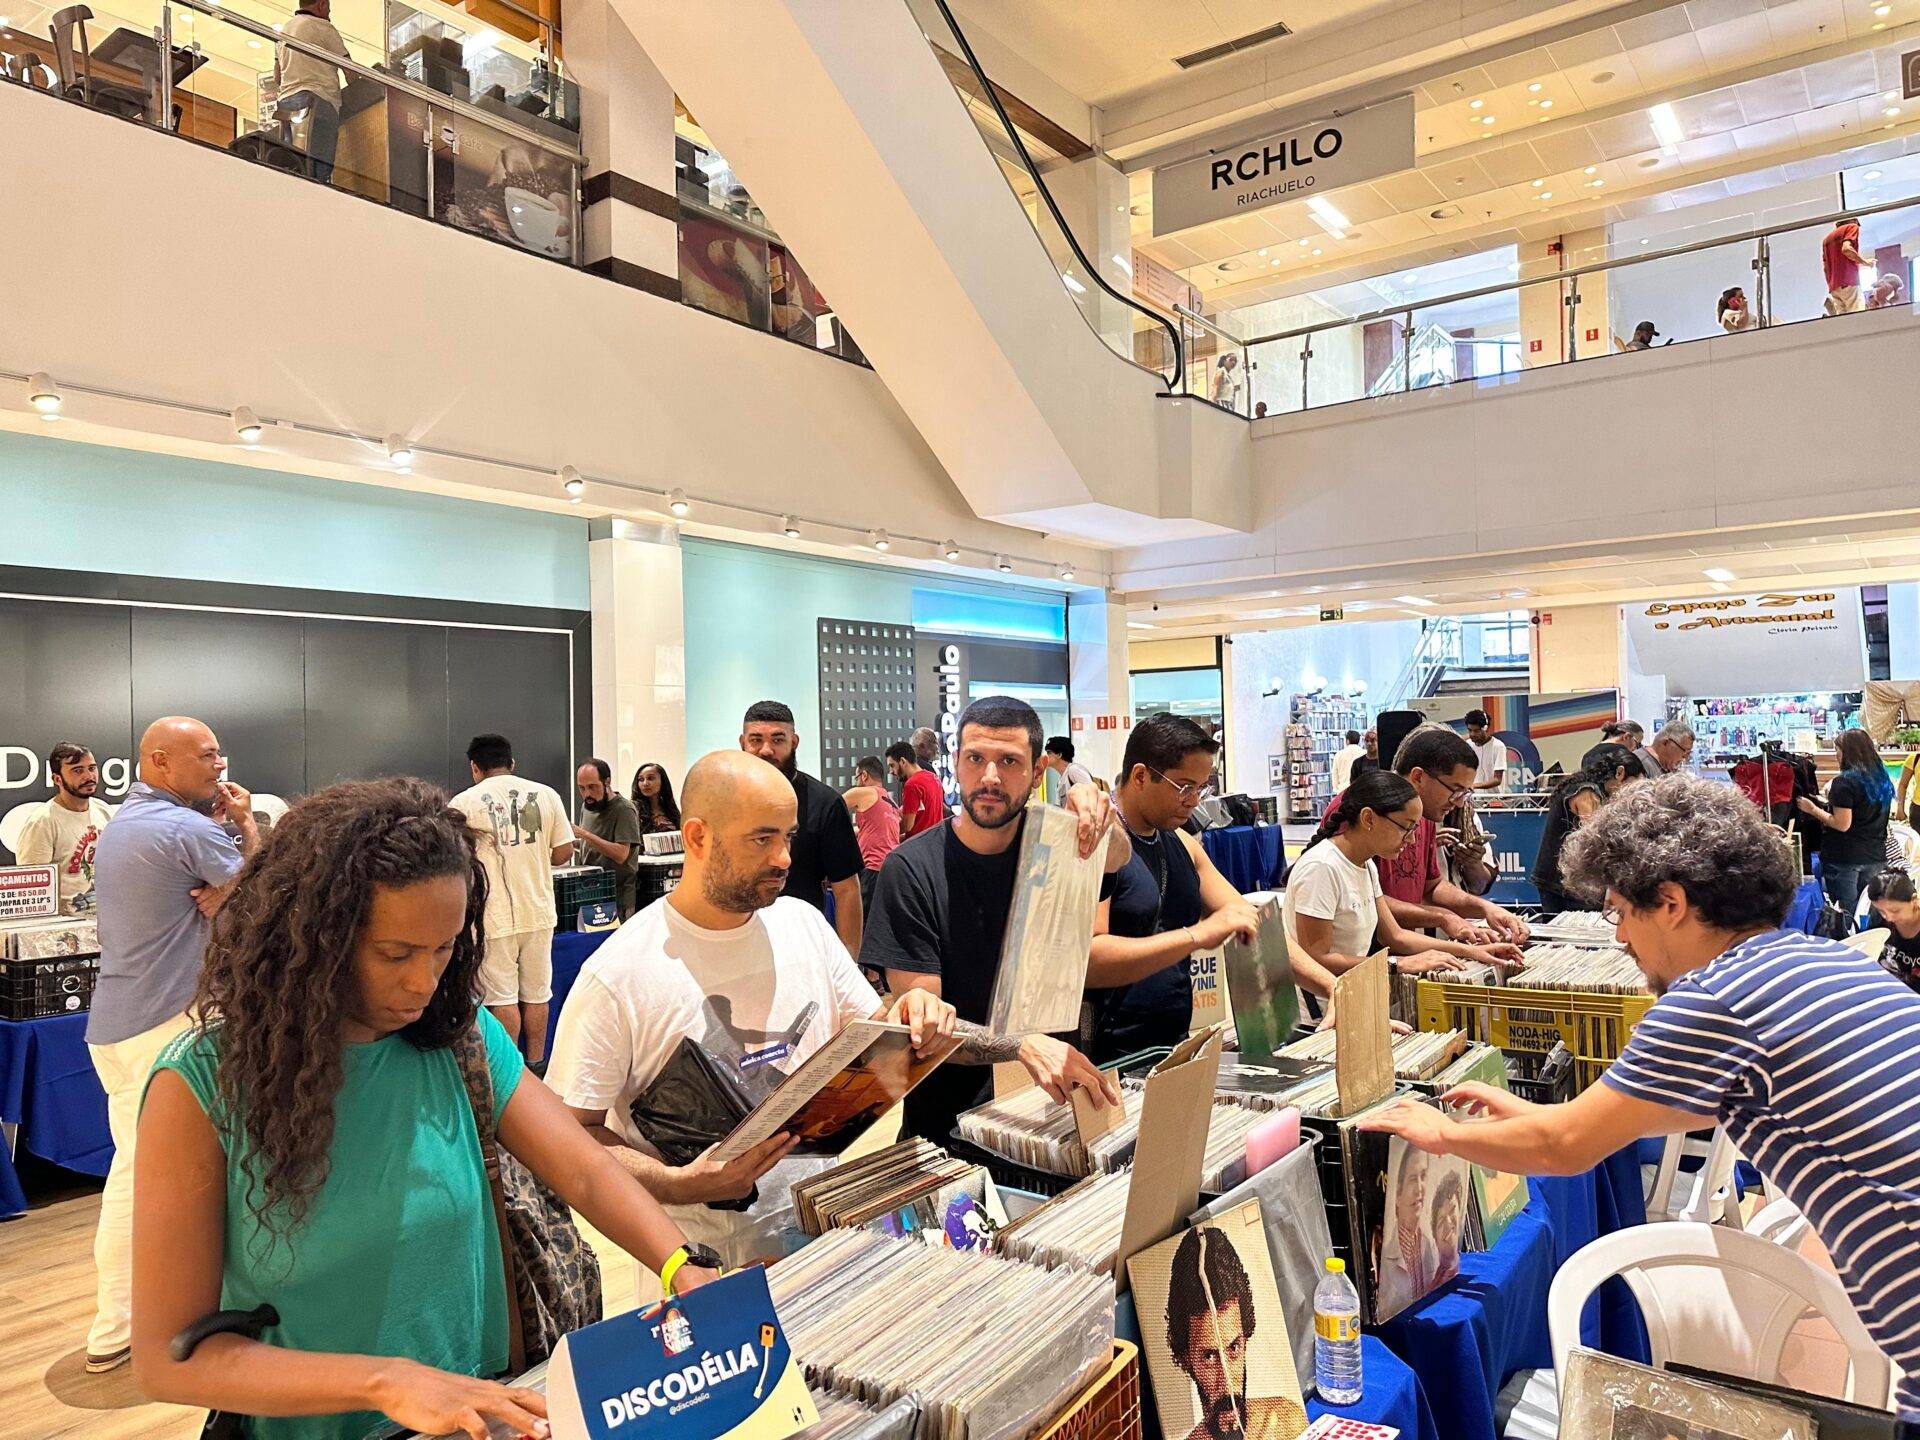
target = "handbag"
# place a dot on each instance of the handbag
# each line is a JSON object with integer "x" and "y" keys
{"x": 553, "y": 1276}
{"x": 690, "y": 1106}
{"x": 1832, "y": 923}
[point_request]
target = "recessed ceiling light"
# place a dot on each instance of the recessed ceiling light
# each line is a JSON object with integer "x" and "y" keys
{"x": 1538, "y": 183}
{"x": 1307, "y": 241}
{"x": 1412, "y": 600}
{"x": 1883, "y": 10}
{"x": 1273, "y": 262}
{"x": 1593, "y": 169}
{"x": 1488, "y": 119}
{"x": 1546, "y": 104}
{"x": 1724, "y": 576}
{"x": 1873, "y": 175}
{"x": 1535, "y": 88}
{"x": 255, "y": 44}
{"x": 1331, "y": 220}
{"x": 1546, "y": 194}
{"x": 1891, "y": 110}
{"x": 1666, "y": 127}
{"x": 1595, "y": 184}
{"x": 1603, "y": 77}
{"x": 1263, "y": 252}
{"x": 1646, "y": 241}
{"x": 1476, "y": 104}
{"x": 1318, "y": 251}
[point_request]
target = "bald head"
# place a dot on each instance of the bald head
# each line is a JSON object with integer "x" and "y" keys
{"x": 181, "y": 755}
{"x": 737, "y": 816}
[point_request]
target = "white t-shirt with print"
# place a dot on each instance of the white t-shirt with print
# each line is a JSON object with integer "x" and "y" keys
{"x": 759, "y": 999}
{"x": 1326, "y": 885}
{"x": 516, "y": 823}
{"x": 65, "y": 839}
{"x": 1491, "y": 759}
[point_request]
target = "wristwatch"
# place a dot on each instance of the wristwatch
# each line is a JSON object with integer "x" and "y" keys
{"x": 701, "y": 1257}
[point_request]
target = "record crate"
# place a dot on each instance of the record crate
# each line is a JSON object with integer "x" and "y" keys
{"x": 1109, "y": 1407}
{"x": 1592, "y": 1025}
{"x": 582, "y": 885}
{"x": 34, "y": 989}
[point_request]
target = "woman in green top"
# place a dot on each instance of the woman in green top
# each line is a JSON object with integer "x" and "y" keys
{"x": 313, "y": 1146}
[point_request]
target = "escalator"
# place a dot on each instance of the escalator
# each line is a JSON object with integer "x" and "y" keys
{"x": 1053, "y": 399}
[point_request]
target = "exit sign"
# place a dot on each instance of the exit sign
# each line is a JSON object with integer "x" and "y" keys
{"x": 1332, "y": 612}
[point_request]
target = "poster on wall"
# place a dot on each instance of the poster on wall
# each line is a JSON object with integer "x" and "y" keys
{"x": 1717, "y": 646}
{"x": 1540, "y": 731}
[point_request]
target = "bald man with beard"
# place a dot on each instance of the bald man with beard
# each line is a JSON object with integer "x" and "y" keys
{"x": 757, "y": 980}
{"x": 161, "y": 871}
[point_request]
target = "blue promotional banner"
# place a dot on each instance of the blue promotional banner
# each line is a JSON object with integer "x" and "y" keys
{"x": 710, "y": 1365}
{"x": 1516, "y": 836}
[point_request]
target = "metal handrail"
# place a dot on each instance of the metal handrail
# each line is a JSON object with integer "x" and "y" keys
{"x": 1598, "y": 267}
{"x": 424, "y": 93}
{"x": 1053, "y": 208}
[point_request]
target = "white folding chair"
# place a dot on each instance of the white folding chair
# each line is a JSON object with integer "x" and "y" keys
{"x": 1705, "y": 1194}
{"x": 1780, "y": 1222}
{"x": 1869, "y": 942}
{"x": 1712, "y": 1297}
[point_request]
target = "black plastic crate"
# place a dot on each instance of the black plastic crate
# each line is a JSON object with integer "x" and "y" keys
{"x": 574, "y": 888}
{"x": 1545, "y": 1079}
{"x": 31, "y": 989}
{"x": 1010, "y": 1173}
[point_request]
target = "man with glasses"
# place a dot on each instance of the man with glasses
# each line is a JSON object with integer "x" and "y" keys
{"x": 1672, "y": 747}
{"x": 1441, "y": 766}
{"x": 1169, "y": 901}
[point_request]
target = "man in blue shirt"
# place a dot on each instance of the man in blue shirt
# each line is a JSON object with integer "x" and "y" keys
{"x": 1801, "y": 1048}
{"x": 161, "y": 871}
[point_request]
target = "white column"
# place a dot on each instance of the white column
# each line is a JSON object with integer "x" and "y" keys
{"x": 1098, "y": 679}
{"x": 631, "y": 225}
{"x": 639, "y": 648}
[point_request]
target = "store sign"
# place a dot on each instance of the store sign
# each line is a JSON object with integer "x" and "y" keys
{"x": 28, "y": 892}
{"x": 1810, "y": 640}
{"x": 1312, "y": 160}
{"x": 21, "y": 768}
{"x": 1910, "y": 75}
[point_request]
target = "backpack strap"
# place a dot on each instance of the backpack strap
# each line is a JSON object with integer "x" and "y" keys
{"x": 471, "y": 1051}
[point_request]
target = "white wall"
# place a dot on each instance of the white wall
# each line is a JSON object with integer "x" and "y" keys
{"x": 1572, "y": 460}
{"x": 1373, "y": 652}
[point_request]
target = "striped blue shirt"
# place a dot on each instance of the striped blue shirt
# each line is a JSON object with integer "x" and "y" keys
{"x": 1804, "y": 1050}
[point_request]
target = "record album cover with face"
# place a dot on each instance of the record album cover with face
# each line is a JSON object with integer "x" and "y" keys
{"x": 1218, "y": 1352}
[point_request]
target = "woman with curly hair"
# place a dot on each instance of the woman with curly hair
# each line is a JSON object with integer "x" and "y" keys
{"x": 653, "y": 798}
{"x": 311, "y": 1144}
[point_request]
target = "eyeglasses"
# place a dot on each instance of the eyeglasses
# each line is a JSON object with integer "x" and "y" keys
{"x": 1184, "y": 789}
{"x": 1611, "y": 914}
{"x": 1405, "y": 830}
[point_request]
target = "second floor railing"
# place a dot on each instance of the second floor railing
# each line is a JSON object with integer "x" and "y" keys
{"x": 1733, "y": 285}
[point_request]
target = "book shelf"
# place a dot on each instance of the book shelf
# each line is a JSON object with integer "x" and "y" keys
{"x": 1314, "y": 734}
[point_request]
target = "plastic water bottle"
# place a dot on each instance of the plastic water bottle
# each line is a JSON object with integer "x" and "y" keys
{"x": 1336, "y": 1336}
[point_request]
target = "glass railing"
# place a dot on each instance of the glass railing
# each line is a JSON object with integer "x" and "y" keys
{"x": 1138, "y": 333}
{"x": 506, "y": 166}
{"x": 1758, "y": 280}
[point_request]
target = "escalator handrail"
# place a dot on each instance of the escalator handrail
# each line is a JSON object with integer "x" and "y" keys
{"x": 1026, "y": 158}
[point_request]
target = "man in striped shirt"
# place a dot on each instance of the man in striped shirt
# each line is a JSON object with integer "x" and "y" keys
{"x": 1802, "y": 1048}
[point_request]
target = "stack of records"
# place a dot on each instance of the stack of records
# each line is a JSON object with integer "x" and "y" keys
{"x": 913, "y": 1188}
{"x": 1579, "y": 927}
{"x": 991, "y": 1348}
{"x": 1497, "y": 1196}
{"x": 662, "y": 842}
{"x": 1079, "y": 1228}
{"x": 1225, "y": 1162}
{"x": 1606, "y": 970}
{"x": 1033, "y": 1130}
{"x": 1259, "y": 1083}
{"x": 1417, "y": 1056}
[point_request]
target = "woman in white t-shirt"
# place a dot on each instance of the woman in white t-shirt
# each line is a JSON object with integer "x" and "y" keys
{"x": 1334, "y": 909}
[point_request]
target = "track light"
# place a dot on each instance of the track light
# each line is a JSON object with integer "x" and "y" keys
{"x": 246, "y": 425}
{"x": 573, "y": 483}
{"x": 789, "y": 527}
{"x": 1001, "y": 563}
{"x": 878, "y": 539}
{"x": 677, "y": 502}
{"x": 1066, "y": 572}
{"x": 951, "y": 551}
{"x": 42, "y": 393}
{"x": 399, "y": 451}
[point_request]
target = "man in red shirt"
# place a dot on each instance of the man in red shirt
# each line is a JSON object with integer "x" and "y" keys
{"x": 922, "y": 806}
{"x": 1441, "y": 765}
{"x": 1841, "y": 258}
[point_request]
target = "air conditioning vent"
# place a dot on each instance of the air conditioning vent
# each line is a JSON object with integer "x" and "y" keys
{"x": 1230, "y": 47}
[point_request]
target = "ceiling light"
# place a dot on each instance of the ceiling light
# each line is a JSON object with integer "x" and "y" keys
{"x": 256, "y": 44}
{"x": 1646, "y": 240}
{"x": 246, "y": 425}
{"x": 1546, "y": 194}
{"x": 1883, "y": 10}
{"x": 399, "y": 451}
{"x": 1263, "y": 252}
{"x": 878, "y": 539}
{"x": 1873, "y": 175}
{"x": 1412, "y": 600}
{"x": 1488, "y": 119}
{"x": 1724, "y": 576}
{"x": 951, "y": 551}
{"x": 1592, "y": 170}
{"x": 1535, "y": 88}
{"x": 1666, "y": 127}
{"x": 1476, "y": 104}
{"x": 1409, "y": 277}
{"x": 42, "y": 393}
{"x": 1546, "y": 104}
{"x": 1066, "y": 572}
{"x": 677, "y": 502}
{"x": 573, "y": 483}
{"x": 1538, "y": 183}
{"x": 1595, "y": 184}
{"x": 789, "y": 527}
{"x": 1891, "y": 110}
{"x": 1331, "y": 220}
{"x": 1001, "y": 563}
{"x": 1273, "y": 262}
{"x": 1318, "y": 251}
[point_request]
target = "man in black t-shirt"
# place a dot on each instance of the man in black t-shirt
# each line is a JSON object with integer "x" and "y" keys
{"x": 1169, "y": 901}
{"x": 940, "y": 913}
{"x": 826, "y": 854}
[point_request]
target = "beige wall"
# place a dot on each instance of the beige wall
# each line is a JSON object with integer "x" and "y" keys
{"x": 1577, "y": 647}
{"x": 1196, "y": 652}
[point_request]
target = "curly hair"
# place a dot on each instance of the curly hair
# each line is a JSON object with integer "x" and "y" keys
{"x": 1701, "y": 835}
{"x": 278, "y": 981}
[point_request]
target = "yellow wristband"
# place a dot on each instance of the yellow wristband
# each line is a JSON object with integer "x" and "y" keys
{"x": 671, "y": 1269}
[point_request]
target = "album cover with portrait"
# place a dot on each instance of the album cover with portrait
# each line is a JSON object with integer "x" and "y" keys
{"x": 1218, "y": 1353}
{"x": 1409, "y": 1212}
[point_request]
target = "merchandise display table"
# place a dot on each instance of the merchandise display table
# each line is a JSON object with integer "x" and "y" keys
{"x": 50, "y": 1101}
{"x": 570, "y": 951}
{"x": 1466, "y": 1340}
{"x": 1252, "y": 857}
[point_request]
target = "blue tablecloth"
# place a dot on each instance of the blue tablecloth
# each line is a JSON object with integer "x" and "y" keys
{"x": 1252, "y": 857}
{"x": 1390, "y": 1394}
{"x": 1466, "y": 1340}
{"x": 48, "y": 1089}
{"x": 570, "y": 951}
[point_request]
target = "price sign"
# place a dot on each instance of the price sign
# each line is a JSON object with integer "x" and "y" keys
{"x": 28, "y": 892}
